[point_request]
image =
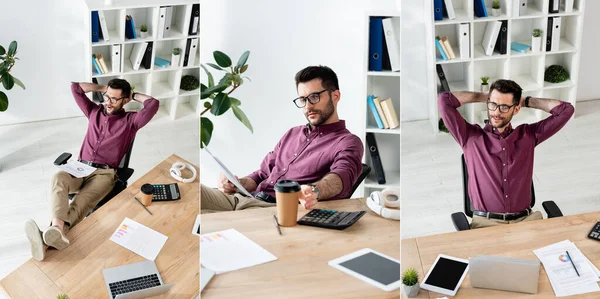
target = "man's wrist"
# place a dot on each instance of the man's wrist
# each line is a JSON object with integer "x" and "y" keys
{"x": 527, "y": 101}
{"x": 315, "y": 189}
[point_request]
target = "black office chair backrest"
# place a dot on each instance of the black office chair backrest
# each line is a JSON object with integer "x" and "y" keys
{"x": 467, "y": 200}
{"x": 366, "y": 169}
{"x": 125, "y": 160}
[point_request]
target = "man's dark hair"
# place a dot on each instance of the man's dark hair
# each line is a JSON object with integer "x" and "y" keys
{"x": 121, "y": 84}
{"x": 508, "y": 86}
{"x": 328, "y": 77}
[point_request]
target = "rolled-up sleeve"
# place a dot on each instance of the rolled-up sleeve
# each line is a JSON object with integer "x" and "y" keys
{"x": 267, "y": 164}
{"x": 456, "y": 124}
{"x": 347, "y": 163}
{"x": 82, "y": 100}
{"x": 144, "y": 116}
{"x": 549, "y": 126}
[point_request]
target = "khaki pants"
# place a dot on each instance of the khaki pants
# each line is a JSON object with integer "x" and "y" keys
{"x": 213, "y": 200}
{"x": 91, "y": 190}
{"x": 481, "y": 222}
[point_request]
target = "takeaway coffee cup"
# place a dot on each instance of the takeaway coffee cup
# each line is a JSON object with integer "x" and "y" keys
{"x": 287, "y": 193}
{"x": 147, "y": 191}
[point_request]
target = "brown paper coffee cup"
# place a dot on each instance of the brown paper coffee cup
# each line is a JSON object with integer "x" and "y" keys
{"x": 287, "y": 193}
{"x": 147, "y": 192}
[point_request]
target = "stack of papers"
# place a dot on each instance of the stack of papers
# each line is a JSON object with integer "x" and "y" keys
{"x": 561, "y": 273}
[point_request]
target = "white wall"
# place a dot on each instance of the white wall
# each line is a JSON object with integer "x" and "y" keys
{"x": 51, "y": 50}
{"x": 590, "y": 47}
{"x": 283, "y": 37}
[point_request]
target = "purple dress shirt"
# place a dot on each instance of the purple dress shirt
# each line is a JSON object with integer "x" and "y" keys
{"x": 307, "y": 156}
{"x": 500, "y": 165}
{"x": 108, "y": 136}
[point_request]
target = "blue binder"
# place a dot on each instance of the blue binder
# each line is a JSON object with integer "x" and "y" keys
{"x": 375, "y": 44}
{"x": 374, "y": 111}
{"x": 95, "y": 27}
{"x": 437, "y": 10}
{"x": 133, "y": 27}
{"x": 480, "y": 9}
{"x": 441, "y": 49}
{"x": 129, "y": 29}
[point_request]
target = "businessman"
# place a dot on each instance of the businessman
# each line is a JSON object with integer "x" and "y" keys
{"x": 322, "y": 155}
{"x": 109, "y": 135}
{"x": 499, "y": 157}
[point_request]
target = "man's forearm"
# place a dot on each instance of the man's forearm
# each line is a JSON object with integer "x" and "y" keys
{"x": 92, "y": 87}
{"x": 329, "y": 186}
{"x": 249, "y": 184}
{"x": 465, "y": 97}
{"x": 541, "y": 103}
{"x": 140, "y": 97}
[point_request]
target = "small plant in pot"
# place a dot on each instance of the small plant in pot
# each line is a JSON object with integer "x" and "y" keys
{"x": 143, "y": 31}
{"x": 485, "y": 87}
{"x": 536, "y": 39}
{"x": 410, "y": 282}
{"x": 496, "y": 8}
{"x": 556, "y": 74}
{"x": 175, "y": 57}
{"x": 189, "y": 83}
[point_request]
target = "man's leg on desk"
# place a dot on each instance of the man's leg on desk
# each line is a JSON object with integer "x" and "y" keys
{"x": 213, "y": 200}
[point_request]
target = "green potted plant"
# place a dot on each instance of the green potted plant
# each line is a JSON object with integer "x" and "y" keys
{"x": 189, "y": 83}
{"x": 410, "y": 282}
{"x": 175, "y": 57}
{"x": 536, "y": 39}
{"x": 143, "y": 31}
{"x": 496, "y": 8}
{"x": 217, "y": 95}
{"x": 7, "y": 61}
{"x": 485, "y": 87}
{"x": 556, "y": 74}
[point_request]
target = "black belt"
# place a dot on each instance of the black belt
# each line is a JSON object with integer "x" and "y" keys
{"x": 103, "y": 166}
{"x": 507, "y": 216}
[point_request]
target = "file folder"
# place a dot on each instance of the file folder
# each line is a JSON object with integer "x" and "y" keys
{"x": 116, "y": 58}
{"x": 502, "y": 40}
{"x": 95, "y": 27}
{"x": 437, "y": 10}
{"x": 464, "y": 41}
{"x": 137, "y": 53}
{"x": 553, "y": 6}
{"x": 450, "y": 9}
{"x": 190, "y": 52}
{"x": 480, "y": 9}
{"x": 161, "y": 21}
{"x": 147, "y": 59}
{"x": 567, "y": 5}
{"x": 491, "y": 35}
{"x": 103, "y": 27}
{"x": 390, "y": 27}
{"x": 520, "y": 8}
{"x": 375, "y": 44}
{"x": 555, "y": 44}
{"x": 168, "y": 20}
{"x": 129, "y": 27}
{"x": 442, "y": 77}
{"x": 194, "y": 20}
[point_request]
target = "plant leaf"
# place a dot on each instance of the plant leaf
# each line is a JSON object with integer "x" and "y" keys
{"x": 234, "y": 101}
{"x": 243, "y": 69}
{"x": 206, "y": 129}
{"x": 247, "y": 78}
{"x": 7, "y": 81}
{"x": 243, "y": 59}
{"x": 2, "y": 50}
{"x": 221, "y": 104}
{"x": 242, "y": 117}
{"x": 222, "y": 59}
{"x": 202, "y": 87}
{"x": 3, "y": 102}
{"x": 12, "y": 48}
{"x": 226, "y": 80}
{"x": 215, "y": 66}
{"x": 207, "y": 92}
{"x": 211, "y": 80}
{"x": 18, "y": 82}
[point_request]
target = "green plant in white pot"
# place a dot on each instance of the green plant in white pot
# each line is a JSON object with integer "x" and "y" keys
{"x": 7, "y": 61}
{"x": 175, "y": 57}
{"x": 410, "y": 282}
{"x": 536, "y": 39}
{"x": 496, "y": 12}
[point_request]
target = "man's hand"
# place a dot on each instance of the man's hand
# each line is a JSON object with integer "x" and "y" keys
{"x": 226, "y": 186}
{"x": 307, "y": 197}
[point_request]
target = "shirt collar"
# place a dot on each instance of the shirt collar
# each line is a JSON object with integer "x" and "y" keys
{"x": 328, "y": 128}
{"x": 495, "y": 131}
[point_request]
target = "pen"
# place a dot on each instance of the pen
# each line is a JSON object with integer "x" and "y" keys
{"x": 277, "y": 224}
{"x": 573, "y": 264}
{"x": 143, "y": 205}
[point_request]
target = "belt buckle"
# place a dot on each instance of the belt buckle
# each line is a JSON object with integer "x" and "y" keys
{"x": 504, "y": 217}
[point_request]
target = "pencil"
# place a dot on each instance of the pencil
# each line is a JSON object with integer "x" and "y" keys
{"x": 143, "y": 205}
{"x": 277, "y": 224}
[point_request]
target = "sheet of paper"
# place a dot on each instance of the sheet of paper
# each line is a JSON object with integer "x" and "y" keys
{"x": 77, "y": 169}
{"x": 139, "y": 239}
{"x": 229, "y": 250}
{"x": 229, "y": 175}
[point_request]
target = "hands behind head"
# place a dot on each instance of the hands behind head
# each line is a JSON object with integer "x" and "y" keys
{"x": 308, "y": 198}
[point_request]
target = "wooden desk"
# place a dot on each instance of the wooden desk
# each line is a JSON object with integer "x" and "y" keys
{"x": 77, "y": 270}
{"x": 301, "y": 269}
{"x": 515, "y": 240}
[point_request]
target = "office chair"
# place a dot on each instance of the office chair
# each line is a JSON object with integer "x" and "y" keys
{"x": 366, "y": 169}
{"x": 459, "y": 219}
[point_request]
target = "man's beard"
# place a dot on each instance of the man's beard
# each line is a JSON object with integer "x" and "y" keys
{"x": 323, "y": 115}
{"x": 115, "y": 109}
{"x": 504, "y": 120}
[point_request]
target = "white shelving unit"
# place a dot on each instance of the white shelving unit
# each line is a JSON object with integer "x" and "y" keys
{"x": 527, "y": 69}
{"x": 384, "y": 84}
{"x": 161, "y": 83}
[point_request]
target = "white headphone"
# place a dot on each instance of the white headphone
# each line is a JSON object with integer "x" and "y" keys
{"x": 176, "y": 172}
{"x": 385, "y": 203}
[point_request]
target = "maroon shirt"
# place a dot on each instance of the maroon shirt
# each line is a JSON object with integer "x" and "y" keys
{"x": 109, "y": 136}
{"x": 500, "y": 165}
{"x": 307, "y": 156}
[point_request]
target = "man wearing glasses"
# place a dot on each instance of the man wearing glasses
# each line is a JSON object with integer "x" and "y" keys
{"x": 499, "y": 157}
{"x": 322, "y": 156}
{"x": 109, "y": 135}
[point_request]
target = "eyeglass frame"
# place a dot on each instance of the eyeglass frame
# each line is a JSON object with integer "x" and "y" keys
{"x": 112, "y": 100}
{"x": 308, "y": 97}
{"x": 498, "y": 106}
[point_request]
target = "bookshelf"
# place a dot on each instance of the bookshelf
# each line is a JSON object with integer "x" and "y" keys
{"x": 527, "y": 69}
{"x": 383, "y": 84}
{"x": 163, "y": 83}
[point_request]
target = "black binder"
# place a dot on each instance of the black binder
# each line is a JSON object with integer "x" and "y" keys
{"x": 186, "y": 57}
{"x": 549, "y": 35}
{"x": 553, "y": 6}
{"x": 194, "y": 20}
{"x": 147, "y": 58}
{"x": 442, "y": 77}
{"x": 96, "y": 95}
{"x": 375, "y": 159}
{"x": 501, "y": 41}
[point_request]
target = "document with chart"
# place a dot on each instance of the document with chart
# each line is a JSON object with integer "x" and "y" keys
{"x": 139, "y": 238}
{"x": 229, "y": 175}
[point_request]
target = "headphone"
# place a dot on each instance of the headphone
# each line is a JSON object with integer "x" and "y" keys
{"x": 385, "y": 203}
{"x": 176, "y": 172}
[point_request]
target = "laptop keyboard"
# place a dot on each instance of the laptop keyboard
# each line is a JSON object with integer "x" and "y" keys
{"x": 134, "y": 284}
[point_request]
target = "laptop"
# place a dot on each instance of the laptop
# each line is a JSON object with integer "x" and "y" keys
{"x": 205, "y": 276}
{"x": 137, "y": 280}
{"x": 502, "y": 273}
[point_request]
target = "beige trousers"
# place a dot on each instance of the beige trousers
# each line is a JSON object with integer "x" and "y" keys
{"x": 90, "y": 190}
{"x": 213, "y": 200}
{"x": 481, "y": 222}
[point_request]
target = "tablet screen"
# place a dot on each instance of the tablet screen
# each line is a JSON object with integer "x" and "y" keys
{"x": 375, "y": 267}
{"x": 446, "y": 274}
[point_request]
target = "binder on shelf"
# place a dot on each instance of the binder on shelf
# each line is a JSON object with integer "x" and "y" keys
{"x": 502, "y": 40}
{"x": 556, "y": 23}
{"x": 137, "y": 53}
{"x": 133, "y": 27}
{"x": 553, "y": 6}
{"x": 518, "y": 47}
{"x": 161, "y": 21}
{"x": 377, "y": 102}
{"x": 442, "y": 77}
{"x": 566, "y": 6}
{"x": 168, "y": 20}
{"x": 371, "y": 103}
{"x": 450, "y": 9}
{"x": 95, "y": 27}
{"x": 390, "y": 113}
{"x": 100, "y": 59}
{"x": 464, "y": 40}
{"x": 129, "y": 29}
{"x": 385, "y": 57}
{"x": 147, "y": 59}
{"x": 190, "y": 52}
{"x": 440, "y": 48}
{"x": 491, "y": 35}
{"x": 391, "y": 41}
{"x": 438, "y": 14}
{"x": 96, "y": 66}
{"x": 448, "y": 47}
{"x": 116, "y": 58}
{"x": 96, "y": 95}
{"x": 520, "y": 8}
{"x": 549, "y": 35}
{"x": 480, "y": 9}
{"x": 103, "y": 27}
{"x": 375, "y": 44}
{"x": 375, "y": 158}
{"x": 194, "y": 20}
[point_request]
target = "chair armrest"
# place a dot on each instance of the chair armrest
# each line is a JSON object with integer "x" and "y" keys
{"x": 552, "y": 209}
{"x": 124, "y": 174}
{"x": 62, "y": 159}
{"x": 460, "y": 221}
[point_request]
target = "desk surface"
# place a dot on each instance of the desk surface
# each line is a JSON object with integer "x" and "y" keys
{"x": 301, "y": 269}
{"x": 77, "y": 270}
{"x": 515, "y": 240}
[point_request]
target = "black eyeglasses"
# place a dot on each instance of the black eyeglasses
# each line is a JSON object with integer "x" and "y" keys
{"x": 503, "y": 108}
{"x": 109, "y": 99}
{"x": 313, "y": 98}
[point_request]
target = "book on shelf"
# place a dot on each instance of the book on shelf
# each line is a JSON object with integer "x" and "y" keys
{"x": 377, "y": 102}
{"x": 448, "y": 47}
{"x": 373, "y": 108}
{"x": 440, "y": 48}
{"x": 519, "y": 47}
{"x": 160, "y": 62}
{"x": 102, "y": 63}
{"x": 103, "y": 27}
{"x": 95, "y": 64}
{"x": 390, "y": 113}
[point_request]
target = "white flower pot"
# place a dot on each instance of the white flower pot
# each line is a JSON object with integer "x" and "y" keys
{"x": 175, "y": 60}
{"x": 496, "y": 12}
{"x": 143, "y": 34}
{"x": 411, "y": 291}
{"x": 485, "y": 87}
{"x": 536, "y": 43}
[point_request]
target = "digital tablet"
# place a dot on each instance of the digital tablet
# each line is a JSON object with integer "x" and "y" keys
{"x": 372, "y": 267}
{"x": 446, "y": 275}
